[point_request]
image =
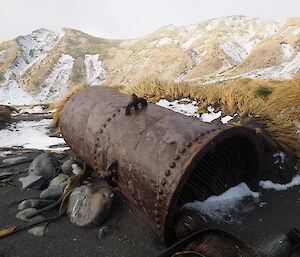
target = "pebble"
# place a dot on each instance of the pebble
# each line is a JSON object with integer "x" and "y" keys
{"x": 44, "y": 165}
{"x": 32, "y": 182}
{"x": 53, "y": 192}
{"x": 22, "y": 215}
{"x": 60, "y": 179}
{"x": 38, "y": 231}
{"x": 34, "y": 203}
{"x": 87, "y": 209}
{"x": 16, "y": 160}
{"x": 66, "y": 167}
{"x": 106, "y": 230}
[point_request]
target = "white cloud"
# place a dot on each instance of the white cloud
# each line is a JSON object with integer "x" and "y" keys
{"x": 130, "y": 18}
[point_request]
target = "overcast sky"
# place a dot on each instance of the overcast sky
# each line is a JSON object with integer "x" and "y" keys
{"x": 120, "y": 19}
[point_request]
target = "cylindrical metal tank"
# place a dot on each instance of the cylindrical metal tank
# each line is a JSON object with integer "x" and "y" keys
{"x": 163, "y": 158}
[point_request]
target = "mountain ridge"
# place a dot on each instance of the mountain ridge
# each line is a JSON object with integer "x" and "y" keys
{"x": 44, "y": 64}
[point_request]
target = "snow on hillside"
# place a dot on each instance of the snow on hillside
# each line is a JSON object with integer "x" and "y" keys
{"x": 55, "y": 85}
{"x": 234, "y": 51}
{"x": 32, "y": 48}
{"x": 95, "y": 73}
{"x": 287, "y": 50}
{"x": 2, "y": 55}
{"x": 163, "y": 41}
{"x": 190, "y": 41}
{"x": 11, "y": 94}
{"x": 296, "y": 31}
{"x": 283, "y": 71}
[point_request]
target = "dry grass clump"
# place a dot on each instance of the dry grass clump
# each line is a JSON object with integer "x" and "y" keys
{"x": 155, "y": 89}
{"x": 273, "y": 105}
{"x": 58, "y": 106}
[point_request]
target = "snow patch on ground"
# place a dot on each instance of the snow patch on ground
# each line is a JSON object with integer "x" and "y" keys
{"x": 268, "y": 184}
{"x": 95, "y": 73}
{"x": 55, "y": 86}
{"x": 11, "y": 94}
{"x": 30, "y": 134}
{"x": 287, "y": 50}
{"x": 188, "y": 109}
{"x": 211, "y": 115}
{"x": 280, "y": 155}
{"x": 226, "y": 119}
{"x": 219, "y": 207}
{"x": 163, "y": 41}
{"x": 35, "y": 109}
{"x": 33, "y": 48}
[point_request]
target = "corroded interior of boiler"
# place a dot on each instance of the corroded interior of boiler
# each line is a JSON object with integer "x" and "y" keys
{"x": 226, "y": 165}
{"x": 224, "y": 162}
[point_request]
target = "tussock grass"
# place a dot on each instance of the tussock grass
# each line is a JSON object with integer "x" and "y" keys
{"x": 58, "y": 106}
{"x": 276, "y": 112}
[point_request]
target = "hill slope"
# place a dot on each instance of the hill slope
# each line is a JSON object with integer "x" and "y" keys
{"x": 41, "y": 66}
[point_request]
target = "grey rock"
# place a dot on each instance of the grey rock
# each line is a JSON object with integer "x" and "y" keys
{"x": 106, "y": 230}
{"x": 92, "y": 209}
{"x": 76, "y": 199}
{"x": 85, "y": 182}
{"x": 32, "y": 182}
{"x": 60, "y": 179}
{"x": 7, "y": 173}
{"x": 38, "y": 231}
{"x": 34, "y": 203}
{"x": 53, "y": 192}
{"x": 16, "y": 160}
{"x": 66, "y": 167}
{"x": 44, "y": 165}
{"x": 22, "y": 215}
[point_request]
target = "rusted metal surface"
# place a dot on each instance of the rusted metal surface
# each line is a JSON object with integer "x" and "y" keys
{"x": 164, "y": 158}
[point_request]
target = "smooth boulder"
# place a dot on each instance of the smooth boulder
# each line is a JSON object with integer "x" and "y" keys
{"x": 44, "y": 165}
{"x": 88, "y": 209}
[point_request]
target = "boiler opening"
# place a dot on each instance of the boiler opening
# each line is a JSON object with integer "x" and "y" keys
{"x": 224, "y": 165}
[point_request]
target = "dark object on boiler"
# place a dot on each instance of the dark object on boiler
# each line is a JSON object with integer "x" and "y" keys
{"x": 164, "y": 159}
{"x": 135, "y": 104}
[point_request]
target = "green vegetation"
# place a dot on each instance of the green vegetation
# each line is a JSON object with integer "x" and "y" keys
{"x": 263, "y": 92}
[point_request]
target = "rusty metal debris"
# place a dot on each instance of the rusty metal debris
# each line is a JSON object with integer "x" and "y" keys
{"x": 160, "y": 159}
